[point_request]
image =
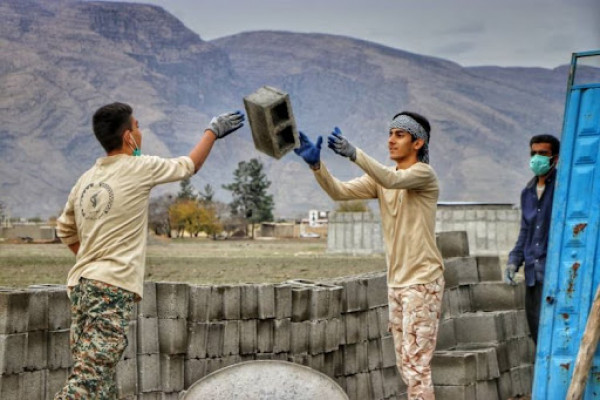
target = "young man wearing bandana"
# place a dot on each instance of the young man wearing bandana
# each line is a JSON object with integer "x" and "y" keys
{"x": 104, "y": 223}
{"x": 536, "y": 214}
{"x": 407, "y": 194}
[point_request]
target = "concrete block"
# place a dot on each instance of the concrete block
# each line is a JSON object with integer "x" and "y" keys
{"x": 316, "y": 361}
{"x": 13, "y": 353}
{"x": 214, "y": 339}
{"x": 300, "y": 303}
{"x": 248, "y": 336}
{"x": 299, "y": 337}
{"x": 172, "y": 300}
{"x": 249, "y": 301}
{"x": 354, "y": 297}
{"x": 467, "y": 392}
{"x": 456, "y": 301}
{"x": 283, "y": 301}
{"x": 127, "y": 378}
{"x": 460, "y": 271}
{"x": 147, "y": 336}
{"x": 10, "y": 387}
{"x": 147, "y": 307}
{"x": 522, "y": 328}
{"x": 231, "y": 302}
{"x": 373, "y": 325}
{"x": 38, "y": 310}
{"x": 231, "y": 338}
{"x": 197, "y": 340}
{"x": 479, "y": 327}
{"x": 363, "y": 386}
{"x": 377, "y": 290}
{"x": 148, "y": 373}
{"x": 199, "y": 303}
{"x": 383, "y": 315}
{"x": 33, "y": 385}
{"x": 172, "y": 336}
{"x": 522, "y": 380}
{"x": 282, "y": 332}
{"x": 55, "y": 380}
{"x": 505, "y": 387}
{"x": 495, "y": 296}
{"x": 388, "y": 352}
{"x": 37, "y": 350}
{"x": 376, "y": 378}
{"x": 356, "y": 358}
{"x": 334, "y": 363}
{"x": 265, "y": 335}
{"x": 356, "y": 325}
{"x": 333, "y": 334}
{"x": 454, "y": 368}
{"x": 14, "y": 311}
{"x": 271, "y": 121}
{"x": 489, "y": 269}
{"x": 446, "y": 337}
{"x": 316, "y": 336}
{"x": 215, "y": 306}
{"x": 171, "y": 373}
{"x": 59, "y": 310}
{"x": 131, "y": 349}
{"x": 392, "y": 382}
{"x": 374, "y": 354}
{"x": 194, "y": 369}
{"x": 59, "y": 351}
{"x": 266, "y": 301}
{"x": 453, "y": 244}
{"x": 487, "y": 390}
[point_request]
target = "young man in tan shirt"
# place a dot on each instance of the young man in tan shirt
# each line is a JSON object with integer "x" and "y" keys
{"x": 407, "y": 194}
{"x": 105, "y": 224}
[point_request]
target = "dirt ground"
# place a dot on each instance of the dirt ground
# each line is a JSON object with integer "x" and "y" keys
{"x": 196, "y": 261}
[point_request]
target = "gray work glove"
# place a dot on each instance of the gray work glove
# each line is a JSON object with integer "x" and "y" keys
{"x": 222, "y": 125}
{"x": 341, "y": 145}
{"x": 509, "y": 274}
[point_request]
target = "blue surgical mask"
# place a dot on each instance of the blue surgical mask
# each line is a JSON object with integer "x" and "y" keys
{"x": 540, "y": 165}
{"x": 137, "y": 151}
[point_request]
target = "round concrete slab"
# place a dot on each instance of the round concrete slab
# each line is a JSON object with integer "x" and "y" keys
{"x": 265, "y": 380}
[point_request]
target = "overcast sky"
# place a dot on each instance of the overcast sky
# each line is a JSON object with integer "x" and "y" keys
{"x": 470, "y": 32}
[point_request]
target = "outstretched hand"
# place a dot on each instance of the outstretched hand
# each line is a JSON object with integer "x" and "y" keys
{"x": 309, "y": 151}
{"x": 224, "y": 124}
{"x": 340, "y": 145}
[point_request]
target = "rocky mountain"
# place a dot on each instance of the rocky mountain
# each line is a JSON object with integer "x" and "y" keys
{"x": 63, "y": 59}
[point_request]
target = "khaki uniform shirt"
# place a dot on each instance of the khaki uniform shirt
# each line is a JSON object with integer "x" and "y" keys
{"x": 408, "y": 202}
{"x": 107, "y": 213}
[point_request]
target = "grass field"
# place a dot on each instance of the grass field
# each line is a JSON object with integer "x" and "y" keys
{"x": 197, "y": 261}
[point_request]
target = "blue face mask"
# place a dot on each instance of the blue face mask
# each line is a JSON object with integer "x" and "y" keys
{"x": 137, "y": 151}
{"x": 540, "y": 165}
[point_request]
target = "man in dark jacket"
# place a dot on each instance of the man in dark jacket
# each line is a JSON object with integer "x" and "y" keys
{"x": 536, "y": 214}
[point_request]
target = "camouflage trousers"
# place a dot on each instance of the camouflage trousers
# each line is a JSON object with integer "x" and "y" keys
{"x": 100, "y": 316}
{"x": 414, "y": 316}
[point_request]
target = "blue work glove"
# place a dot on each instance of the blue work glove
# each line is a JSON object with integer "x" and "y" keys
{"x": 341, "y": 145}
{"x": 222, "y": 125}
{"x": 509, "y": 274}
{"x": 309, "y": 151}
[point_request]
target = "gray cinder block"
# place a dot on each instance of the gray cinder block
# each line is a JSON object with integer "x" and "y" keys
{"x": 249, "y": 301}
{"x": 13, "y": 353}
{"x": 299, "y": 337}
{"x": 199, "y": 302}
{"x": 479, "y": 327}
{"x": 271, "y": 121}
{"x": 316, "y": 336}
{"x": 231, "y": 338}
{"x": 300, "y": 303}
{"x": 194, "y": 369}
{"x": 55, "y": 381}
{"x": 374, "y": 354}
{"x": 446, "y": 337}
{"x": 148, "y": 373}
{"x": 59, "y": 352}
{"x": 354, "y": 297}
{"x": 489, "y": 268}
{"x": 266, "y": 301}
{"x": 131, "y": 349}
{"x": 333, "y": 334}
{"x": 172, "y": 300}
{"x": 376, "y": 378}
{"x": 59, "y": 309}
{"x": 33, "y": 385}
{"x": 388, "y": 352}
{"x": 197, "y": 340}
{"x": 453, "y": 244}
{"x": 392, "y": 382}
{"x": 38, "y": 310}
{"x": 214, "y": 339}
{"x": 283, "y": 301}
{"x": 171, "y": 373}
{"x": 127, "y": 378}
{"x": 147, "y": 307}
{"x": 377, "y": 290}
{"x": 147, "y": 336}
{"x": 454, "y": 368}
{"x": 248, "y": 336}
{"x": 172, "y": 336}
{"x": 456, "y": 392}
{"x": 10, "y": 387}
{"x": 460, "y": 271}
{"x": 282, "y": 335}
{"x": 487, "y": 390}
{"x": 37, "y": 350}
{"x": 496, "y": 296}
{"x": 265, "y": 334}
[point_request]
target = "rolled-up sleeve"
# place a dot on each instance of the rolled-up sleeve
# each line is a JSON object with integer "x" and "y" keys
{"x": 166, "y": 170}
{"x": 66, "y": 226}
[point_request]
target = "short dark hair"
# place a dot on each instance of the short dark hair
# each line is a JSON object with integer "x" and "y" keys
{"x": 554, "y": 142}
{"x": 109, "y": 123}
{"x": 421, "y": 120}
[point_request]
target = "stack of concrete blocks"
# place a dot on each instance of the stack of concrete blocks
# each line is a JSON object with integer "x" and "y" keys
{"x": 35, "y": 358}
{"x": 272, "y": 121}
{"x": 484, "y": 349}
{"x": 354, "y": 233}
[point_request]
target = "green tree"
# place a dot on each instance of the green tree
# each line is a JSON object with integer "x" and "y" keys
{"x": 249, "y": 192}
{"x": 186, "y": 190}
{"x": 207, "y": 194}
{"x": 158, "y": 214}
